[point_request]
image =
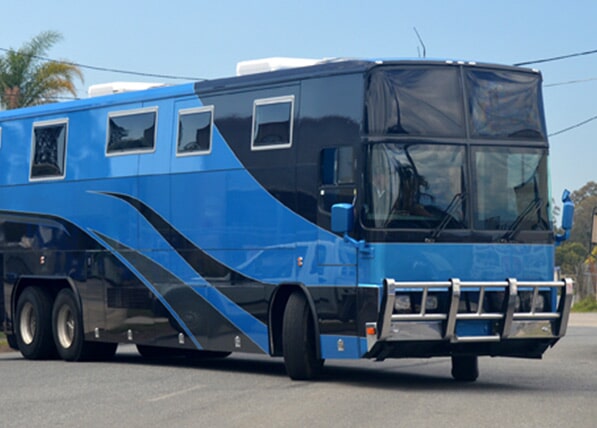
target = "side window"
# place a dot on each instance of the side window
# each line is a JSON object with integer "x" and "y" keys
{"x": 337, "y": 165}
{"x": 195, "y": 129}
{"x": 272, "y": 123}
{"x": 131, "y": 131}
{"x": 336, "y": 170}
{"x": 48, "y": 149}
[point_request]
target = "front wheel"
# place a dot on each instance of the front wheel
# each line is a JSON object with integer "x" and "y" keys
{"x": 298, "y": 340}
{"x": 465, "y": 368}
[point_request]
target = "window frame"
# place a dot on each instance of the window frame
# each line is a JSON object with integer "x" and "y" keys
{"x": 189, "y": 111}
{"x": 46, "y": 123}
{"x": 131, "y": 112}
{"x": 269, "y": 101}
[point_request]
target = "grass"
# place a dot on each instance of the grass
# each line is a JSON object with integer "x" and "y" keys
{"x": 588, "y": 304}
{"x": 4, "y": 344}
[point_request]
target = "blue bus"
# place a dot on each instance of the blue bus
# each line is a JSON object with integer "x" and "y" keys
{"x": 334, "y": 210}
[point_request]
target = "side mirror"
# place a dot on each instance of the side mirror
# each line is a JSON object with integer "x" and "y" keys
{"x": 342, "y": 218}
{"x": 567, "y": 211}
{"x": 567, "y": 216}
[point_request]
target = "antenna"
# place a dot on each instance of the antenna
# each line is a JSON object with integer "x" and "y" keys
{"x": 421, "y": 42}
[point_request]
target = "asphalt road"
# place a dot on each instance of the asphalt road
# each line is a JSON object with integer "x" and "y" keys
{"x": 250, "y": 391}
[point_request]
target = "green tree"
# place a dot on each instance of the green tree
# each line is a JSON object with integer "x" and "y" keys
{"x": 585, "y": 199}
{"x": 570, "y": 256}
{"x": 26, "y": 79}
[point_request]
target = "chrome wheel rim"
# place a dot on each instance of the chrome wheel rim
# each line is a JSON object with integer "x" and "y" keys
{"x": 65, "y": 327}
{"x": 27, "y": 323}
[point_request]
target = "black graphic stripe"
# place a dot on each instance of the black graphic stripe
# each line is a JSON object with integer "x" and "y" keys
{"x": 209, "y": 326}
{"x": 198, "y": 259}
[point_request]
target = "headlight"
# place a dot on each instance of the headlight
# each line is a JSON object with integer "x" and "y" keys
{"x": 525, "y": 302}
{"x": 431, "y": 304}
{"x": 402, "y": 303}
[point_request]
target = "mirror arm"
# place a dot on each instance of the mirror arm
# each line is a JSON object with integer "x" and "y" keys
{"x": 361, "y": 245}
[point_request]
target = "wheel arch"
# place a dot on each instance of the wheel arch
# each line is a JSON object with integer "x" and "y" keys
{"x": 277, "y": 306}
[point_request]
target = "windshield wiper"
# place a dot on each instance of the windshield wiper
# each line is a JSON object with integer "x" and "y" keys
{"x": 447, "y": 217}
{"x": 515, "y": 226}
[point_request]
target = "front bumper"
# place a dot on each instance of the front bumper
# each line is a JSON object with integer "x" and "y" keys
{"x": 506, "y": 331}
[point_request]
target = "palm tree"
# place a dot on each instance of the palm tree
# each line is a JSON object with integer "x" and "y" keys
{"x": 27, "y": 79}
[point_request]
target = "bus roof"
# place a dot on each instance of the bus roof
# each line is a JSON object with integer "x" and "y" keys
{"x": 302, "y": 69}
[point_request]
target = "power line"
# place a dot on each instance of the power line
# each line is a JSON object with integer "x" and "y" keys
{"x": 112, "y": 70}
{"x": 557, "y": 58}
{"x": 570, "y": 82}
{"x": 584, "y": 122}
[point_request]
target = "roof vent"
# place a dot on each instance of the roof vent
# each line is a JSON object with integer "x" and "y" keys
{"x": 119, "y": 87}
{"x": 263, "y": 65}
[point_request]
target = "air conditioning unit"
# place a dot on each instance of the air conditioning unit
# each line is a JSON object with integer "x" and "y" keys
{"x": 119, "y": 87}
{"x": 264, "y": 65}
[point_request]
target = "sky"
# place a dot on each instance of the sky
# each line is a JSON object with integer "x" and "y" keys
{"x": 205, "y": 39}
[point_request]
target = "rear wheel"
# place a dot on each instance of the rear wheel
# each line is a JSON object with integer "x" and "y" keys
{"x": 67, "y": 328}
{"x": 298, "y": 340}
{"x": 33, "y": 324}
{"x": 465, "y": 368}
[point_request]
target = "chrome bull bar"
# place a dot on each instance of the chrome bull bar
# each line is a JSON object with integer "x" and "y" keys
{"x": 508, "y": 323}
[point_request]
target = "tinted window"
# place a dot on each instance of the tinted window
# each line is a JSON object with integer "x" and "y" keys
{"x": 195, "y": 130}
{"x": 272, "y": 123}
{"x": 337, "y": 165}
{"x": 49, "y": 148}
{"x": 415, "y": 186}
{"x": 131, "y": 131}
{"x": 416, "y": 101}
{"x": 505, "y": 104}
{"x": 511, "y": 189}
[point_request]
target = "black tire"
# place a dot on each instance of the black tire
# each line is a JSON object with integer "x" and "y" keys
{"x": 465, "y": 368}
{"x": 33, "y": 324}
{"x": 67, "y": 328}
{"x": 298, "y": 340}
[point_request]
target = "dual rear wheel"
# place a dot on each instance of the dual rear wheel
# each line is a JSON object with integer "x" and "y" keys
{"x": 48, "y": 327}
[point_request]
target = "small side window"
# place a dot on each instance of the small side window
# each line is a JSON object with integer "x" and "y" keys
{"x": 195, "y": 130}
{"x": 336, "y": 170}
{"x": 337, "y": 165}
{"x": 131, "y": 131}
{"x": 272, "y": 123}
{"x": 48, "y": 149}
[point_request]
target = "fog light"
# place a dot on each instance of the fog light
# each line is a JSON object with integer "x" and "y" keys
{"x": 402, "y": 303}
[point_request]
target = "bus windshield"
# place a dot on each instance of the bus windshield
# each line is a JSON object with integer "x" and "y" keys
{"x": 511, "y": 187}
{"x": 415, "y": 185}
{"x": 420, "y": 186}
